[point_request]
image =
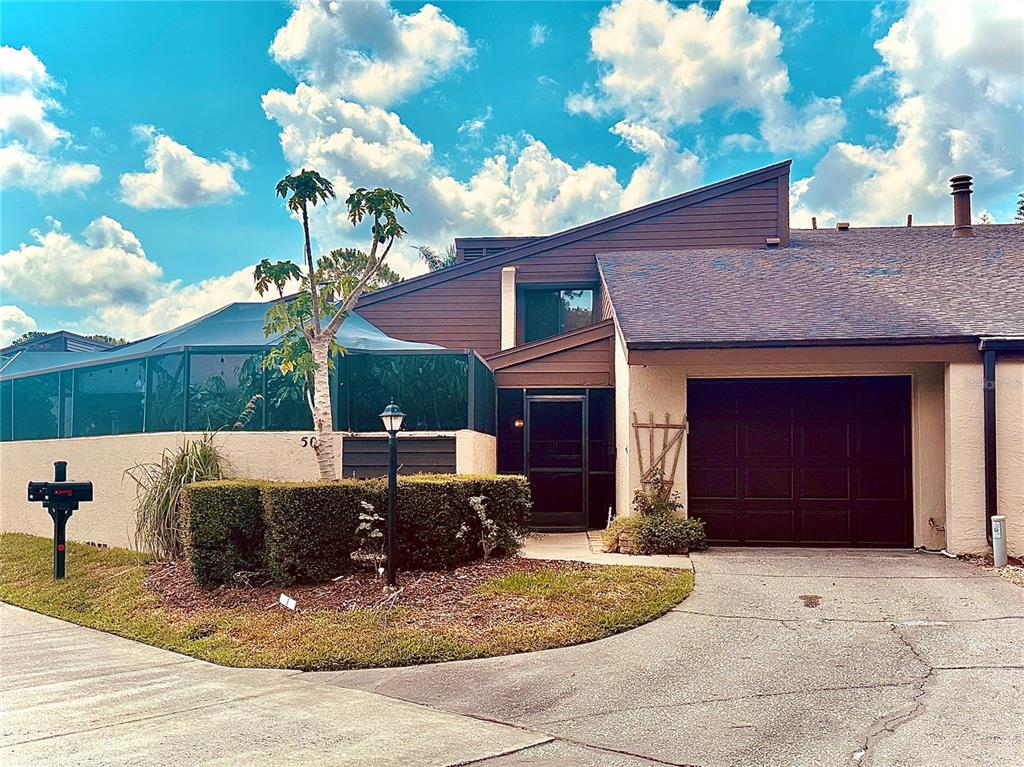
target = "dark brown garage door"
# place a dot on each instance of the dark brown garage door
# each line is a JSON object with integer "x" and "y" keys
{"x": 807, "y": 461}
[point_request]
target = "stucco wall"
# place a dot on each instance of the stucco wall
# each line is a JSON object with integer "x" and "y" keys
{"x": 623, "y": 430}
{"x": 475, "y": 453}
{"x": 965, "y": 458}
{"x": 662, "y": 389}
{"x": 109, "y": 518}
{"x": 1010, "y": 450}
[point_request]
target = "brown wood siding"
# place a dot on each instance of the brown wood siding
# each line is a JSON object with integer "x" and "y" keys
{"x": 581, "y": 358}
{"x": 367, "y": 457}
{"x": 465, "y": 311}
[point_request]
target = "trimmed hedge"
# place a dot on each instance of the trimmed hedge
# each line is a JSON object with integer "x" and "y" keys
{"x": 310, "y": 528}
{"x": 223, "y": 529}
{"x": 307, "y": 531}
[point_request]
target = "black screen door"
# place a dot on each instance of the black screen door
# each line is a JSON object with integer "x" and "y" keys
{"x": 555, "y": 461}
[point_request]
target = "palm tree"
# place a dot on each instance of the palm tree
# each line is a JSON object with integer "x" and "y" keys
{"x": 309, "y": 323}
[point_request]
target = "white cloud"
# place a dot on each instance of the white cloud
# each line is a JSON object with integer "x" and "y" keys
{"x": 118, "y": 289}
{"x": 793, "y": 15}
{"x": 172, "y": 304}
{"x": 14, "y": 322}
{"x": 959, "y": 108}
{"x": 539, "y": 35}
{"x": 106, "y": 265}
{"x": 176, "y": 177}
{"x": 368, "y": 51}
{"x": 474, "y": 126}
{"x": 521, "y": 189}
{"x": 668, "y": 66}
{"x": 31, "y": 141}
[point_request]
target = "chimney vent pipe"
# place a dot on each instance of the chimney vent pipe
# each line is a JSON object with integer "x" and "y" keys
{"x": 962, "y": 205}
{"x": 910, "y": 219}
{"x": 814, "y": 222}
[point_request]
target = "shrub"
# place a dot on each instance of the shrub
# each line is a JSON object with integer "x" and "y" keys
{"x": 223, "y": 530}
{"x": 308, "y": 531}
{"x": 657, "y": 534}
{"x": 655, "y": 526}
{"x": 439, "y": 529}
{"x": 310, "y": 528}
{"x": 159, "y": 490}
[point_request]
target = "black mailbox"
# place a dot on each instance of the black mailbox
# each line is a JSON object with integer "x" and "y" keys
{"x": 60, "y": 498}
{"x": 65, "y": 493}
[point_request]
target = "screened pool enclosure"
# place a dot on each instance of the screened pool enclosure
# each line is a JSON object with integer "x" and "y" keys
{"x": 208, "y": 375}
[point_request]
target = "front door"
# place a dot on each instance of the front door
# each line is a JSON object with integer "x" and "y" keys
{"x": 555, "y": 436}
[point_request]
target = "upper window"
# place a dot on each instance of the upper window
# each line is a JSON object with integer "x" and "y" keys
{"x": 548, "y": 312}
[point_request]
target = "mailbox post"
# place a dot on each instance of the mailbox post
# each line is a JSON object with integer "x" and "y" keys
{"x": 60, "y": 498}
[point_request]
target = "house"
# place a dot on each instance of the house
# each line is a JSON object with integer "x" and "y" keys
{"x": 846, "y": 387}
{"x": 843, "y": 387}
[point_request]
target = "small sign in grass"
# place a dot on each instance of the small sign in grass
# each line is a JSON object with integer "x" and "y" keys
{"x": 484, "y": 609}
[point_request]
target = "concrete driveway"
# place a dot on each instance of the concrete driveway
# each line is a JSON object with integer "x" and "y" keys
{"x": 780, "y": 657}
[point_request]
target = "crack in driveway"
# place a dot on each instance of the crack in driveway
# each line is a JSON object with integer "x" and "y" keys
{"x": 753, "y": 696}
{"x": 887, "y": 724}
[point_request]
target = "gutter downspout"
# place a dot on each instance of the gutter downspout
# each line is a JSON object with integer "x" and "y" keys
{"x": 990, "y": 347}
{"x": 989, "y": 362}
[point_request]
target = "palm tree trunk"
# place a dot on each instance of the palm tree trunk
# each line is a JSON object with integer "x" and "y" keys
{"x": 326, "y": 464}
{"x": 312, "y": 273}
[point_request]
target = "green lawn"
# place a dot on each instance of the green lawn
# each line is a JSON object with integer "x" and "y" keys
{"x": 521, "y": 611}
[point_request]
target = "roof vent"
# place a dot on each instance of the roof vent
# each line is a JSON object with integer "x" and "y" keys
{"x": 962, "y": 205}
{"x": 772, "y": 242}
{"x": 843, "y": 226}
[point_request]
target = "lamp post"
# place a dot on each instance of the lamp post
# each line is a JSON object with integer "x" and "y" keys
{"x": 392, "y": 418}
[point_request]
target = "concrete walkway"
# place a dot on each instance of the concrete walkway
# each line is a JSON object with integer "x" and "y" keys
{"x": 586, "y": 547}
{"x": 73, "y": 696}
{"x": 780, "y": 657}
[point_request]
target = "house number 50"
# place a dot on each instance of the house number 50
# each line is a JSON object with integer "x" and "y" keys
{"x": 310, "y": 442}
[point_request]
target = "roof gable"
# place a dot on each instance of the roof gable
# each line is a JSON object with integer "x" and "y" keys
{"x": 582, "y": 232}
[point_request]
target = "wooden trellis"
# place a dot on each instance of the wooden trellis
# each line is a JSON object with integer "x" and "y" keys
{"x": 663, "y": 457}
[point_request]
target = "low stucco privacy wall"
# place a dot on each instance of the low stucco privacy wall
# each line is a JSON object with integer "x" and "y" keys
{"x": 109, "y": 519}
{"x": 947, "y": 436}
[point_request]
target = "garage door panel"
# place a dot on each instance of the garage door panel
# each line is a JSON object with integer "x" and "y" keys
{"x": 824, "y": 438}
{"x": 714, "y": 439}
{"x": 769, "y": 527}
{"x": 883, "y": 482}
{"x": 708, "y": 482}
{"x": 825, "y": 526}
{"x": 768, "y": 438}
{"x": 721, "y": 525}
{"x": 819, "y": 461}
{"x": 768, "y": 482}
{"x": 825, "y": 483}
{"x": 882, "y": 439}
{"x": 878, "y": 528}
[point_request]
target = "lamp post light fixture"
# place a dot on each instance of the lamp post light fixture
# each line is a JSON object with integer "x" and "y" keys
{"x": 392, "y": 418}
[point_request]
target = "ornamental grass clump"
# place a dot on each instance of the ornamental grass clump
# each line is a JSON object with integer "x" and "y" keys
{"x": 159, "y": 493}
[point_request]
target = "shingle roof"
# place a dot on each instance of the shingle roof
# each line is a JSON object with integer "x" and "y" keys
{"x": 871, "y": 284}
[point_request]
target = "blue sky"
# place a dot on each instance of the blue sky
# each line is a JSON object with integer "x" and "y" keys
{"x": 144, "y": 139}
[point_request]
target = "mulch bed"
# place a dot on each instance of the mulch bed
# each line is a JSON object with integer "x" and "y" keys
{"x": 451, "y": 594}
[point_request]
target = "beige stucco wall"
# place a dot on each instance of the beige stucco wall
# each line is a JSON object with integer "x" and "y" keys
{"x": 109, "y": 518}
{"x": 623, "y": 430}
{"x": 475, "y": 453}
{"x": 662, "y": 390}
{"x": 1010, "y": 450}
{"x": 965, "y": 458}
